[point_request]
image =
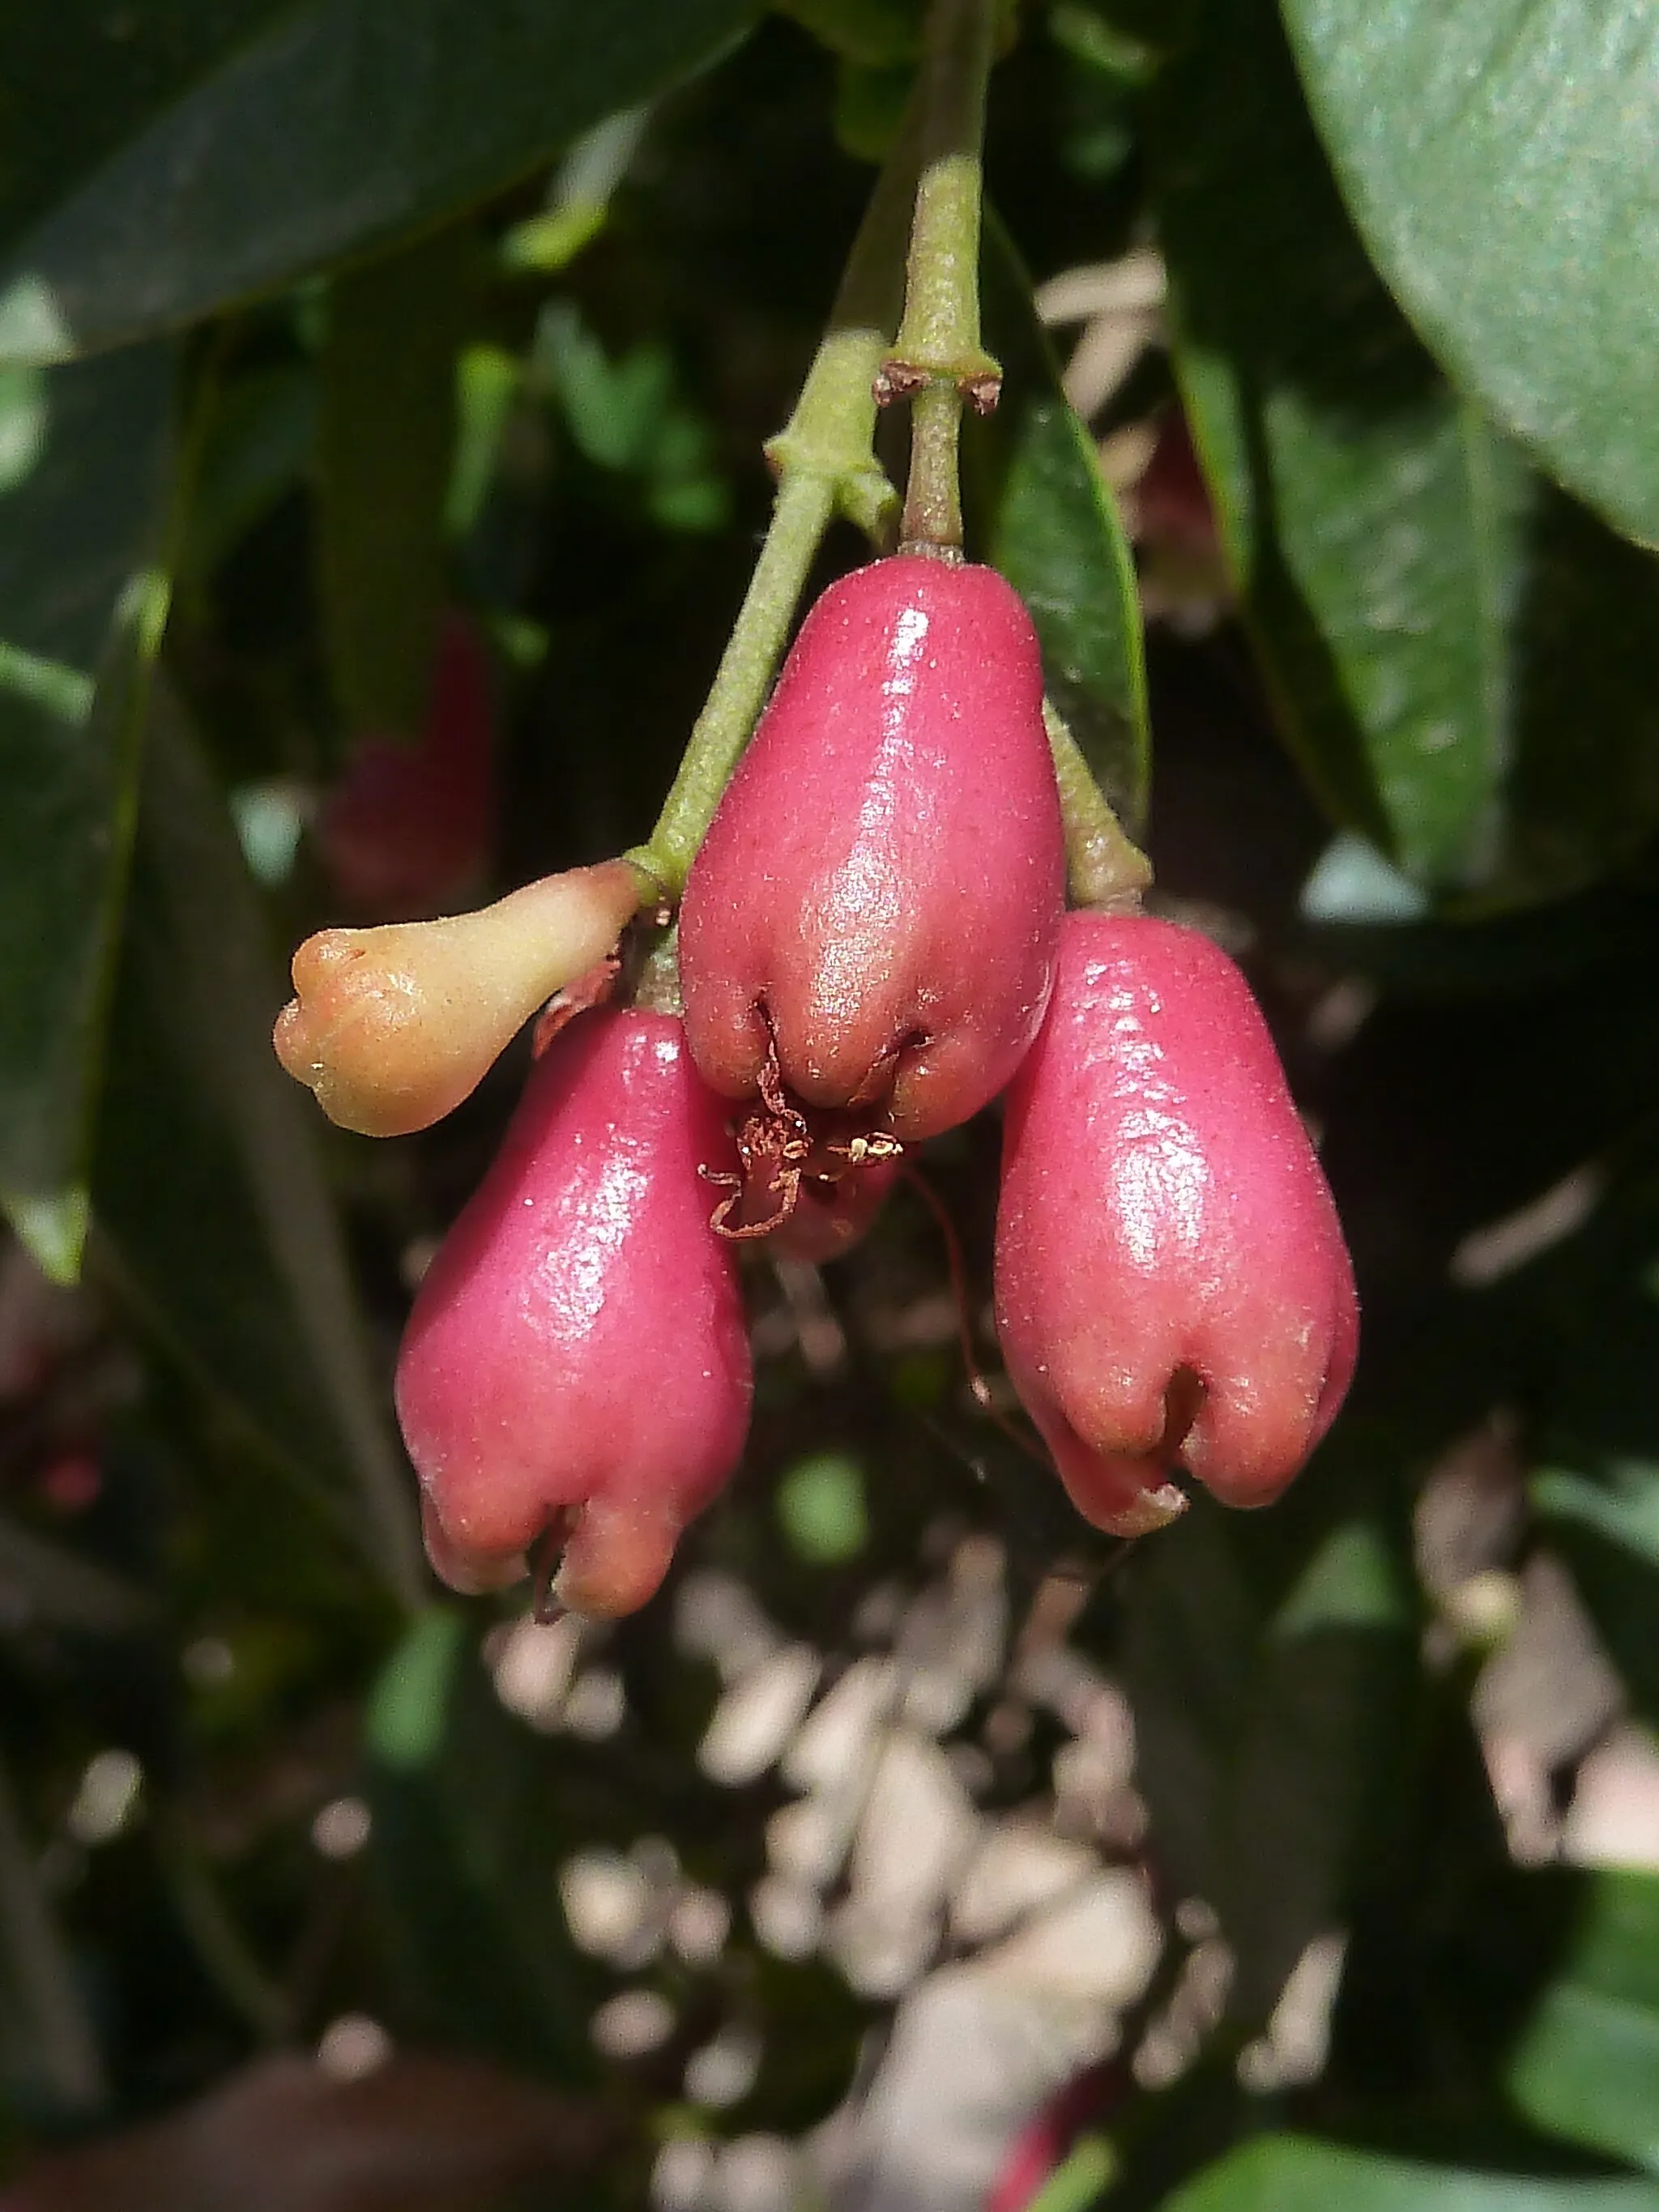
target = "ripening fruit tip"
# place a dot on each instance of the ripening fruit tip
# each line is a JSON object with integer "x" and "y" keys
{"x": 394, "y": 1026}
{"x": 1172, "y": 1286}
{"x": 577, "y": 1362}
{"x": 879, "y": 891}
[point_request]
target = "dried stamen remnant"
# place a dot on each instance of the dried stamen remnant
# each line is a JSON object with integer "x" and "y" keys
{"x": 784, "y": 1152}
{"x": 546, "y": 1557}
{"x": 591, "y": 988}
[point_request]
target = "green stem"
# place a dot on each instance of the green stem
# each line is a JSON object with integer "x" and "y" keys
{"x": 1103, "y": 868}
{"x": 825, "y": 464}
{"x": 221, "y": 1947}
{"x": 44, "y": 1993}
{"x": 804, "y": 504}
{"x": 938, "y": 357}
{"x": 933, "y": 491}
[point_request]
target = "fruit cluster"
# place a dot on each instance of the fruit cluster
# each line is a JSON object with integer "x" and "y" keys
{"x": 874, "y": 943}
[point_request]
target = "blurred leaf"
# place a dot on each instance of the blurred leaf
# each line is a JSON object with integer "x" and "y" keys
{"x": 1296, "y": 2174}
{"x": 257, "y": 442}
{"x": 1080, "y": 2179}
{"x": 1606, "y": 1529}
{"x": 262, "y": 143}
{"x": 625, "y": 415}
{"x": 1044, "y": 516}
{"x": 1586, "y": 2066}
{"x": 466, "y": 1851}
{"x": 875, "y": 33}
{"x": 579, "y": 199}
{"x": 488, "y": 382}
{"x": 59, "y": 2060}
{"x": 46, "y": 1582}
{"x": 1270, "y": 1665}
{"x": 82, "y": 519}
{"x": 124, "y": 68}
{"x": 1467, "y": 666}
{"x": 1594, "y": 1304}
{"x": 387, "y": 435}
{"x": 820, "y": 1502}
{"x": 1447, "y": 122}
{"x": 208, "y": 1181}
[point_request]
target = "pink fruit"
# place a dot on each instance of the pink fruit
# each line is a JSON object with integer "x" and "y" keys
{"x": 1171, "y": 500}
{"x": 877, "y": 896}
{"x": 407, "y": 830}
{"x": 828, "y": 1218}
{"x": 392, "y": 1027}
{"x": 1172, "y": 1286}
{"x": 576, "y": 1364}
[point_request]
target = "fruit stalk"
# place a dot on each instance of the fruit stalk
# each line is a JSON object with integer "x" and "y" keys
{"x": 938, "y": 359}
{"x": 1103, "y": 867}
{"x": 825, "y": 464}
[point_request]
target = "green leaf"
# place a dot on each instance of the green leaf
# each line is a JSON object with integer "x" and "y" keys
{"x": 82, "y": 600}
{"x": 208, "y": 1184}
{"x": 1594, "y": 1300}
{"x": 1586, "y": 2065}
{"x": 1271, "y": 1665}
{"x": 1297, "y": 2174}
{"x": 1502, "y": 159}
{"x": 387, "y": 435}
{"x": 269, "y": 142}
{"x": 1465, "y": 665}
{"x": 627, "y": 415}
{"x": 466, "y": 1824}
{"x": 257, "y": 440}
{"x": 57, "y": 1586}
{"x": 1606, "y": 1526}
{"x": 820, "y": 1503}
{"x": 1040, "y": 510}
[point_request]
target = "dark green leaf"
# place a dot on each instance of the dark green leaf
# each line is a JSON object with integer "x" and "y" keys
{"x": 331, "y": 128}
{"x": 1607, "y": 1527}
{"x": 1596, "y": 1485}
{"x": 387, "y": 431}
{"x": 81, "y": 78}
{"x": 46, "y": 1582}
{"x": 1467, "y": 666}
{"x": 208, "y": 1183}
{"x": 1587, "y": 2064}
{"x": 466, "y": 1829}
{"x": 51, "y": 2050}
{"x": 258, "y": 440}
{"x": 1502, "y": 158}
{"x": 82, "y": 519}
{"x": 1270, "y": 1665}
{"x": 1045, "y": 518}
{"x": 1296, "y": 2174}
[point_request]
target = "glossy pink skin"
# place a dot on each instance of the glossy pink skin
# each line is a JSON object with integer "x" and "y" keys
{"x": 580, "y": 1338}
{"x": 885, "y": 877}
{"x": 1162, "y": 1210}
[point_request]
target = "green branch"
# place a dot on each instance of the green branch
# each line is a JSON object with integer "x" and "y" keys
{"x": 825, "y": 464}
{"x": 937, "y": 358}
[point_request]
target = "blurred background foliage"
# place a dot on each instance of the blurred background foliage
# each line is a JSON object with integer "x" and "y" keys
{"x": 382, "y": 390}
